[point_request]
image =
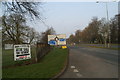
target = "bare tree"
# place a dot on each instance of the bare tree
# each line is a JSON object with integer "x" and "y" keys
{"x": 14, "y": 19}
{"x": 89, "y": 34}
{"x": 45, "y": 34}
{"x": 77, "y": 36}
{"x": 13, "y": 26}
{"x": 71, "y": 39}
{"x": 15, "y": 30}
{"x": 23, "y": 8}
{"x": 30, "y": 35}
{"x": 114, "y": 29}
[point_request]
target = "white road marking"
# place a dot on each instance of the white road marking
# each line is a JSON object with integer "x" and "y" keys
{"x": 73, "y": 67}
{"x": 79, "y": 75}
{"x": 75, "y": 70}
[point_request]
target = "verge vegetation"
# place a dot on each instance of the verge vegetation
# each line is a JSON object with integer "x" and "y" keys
{"x": 48, "y": 67}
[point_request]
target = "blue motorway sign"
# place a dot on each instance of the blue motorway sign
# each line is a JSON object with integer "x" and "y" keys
{"x": 61, "y": 39}
{"x": 52, "y": 42}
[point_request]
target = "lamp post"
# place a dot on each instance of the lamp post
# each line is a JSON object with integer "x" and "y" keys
{"x": 109, "y": 37}
{"x": 108, "y": 27}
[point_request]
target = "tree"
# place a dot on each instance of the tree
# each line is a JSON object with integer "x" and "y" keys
{"x": 23, "y": 8}
{"x": 90, "y": 33}
{"x": 15, "y": 30}
{"x": 114, "y": 30}
{"x": 13, "y": 27}
{"x": 71, "y": 38}
{"x": 44, "y": 35}
{"x": 77, "y": 36}
{"x": 117, "y": 17}
{"x": 0, "y": 38}
{"x": 14, "y": 21}
{"x": 97, "y": 31}
{"x": 30, "y": 35}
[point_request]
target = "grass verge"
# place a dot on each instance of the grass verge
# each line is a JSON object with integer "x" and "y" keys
{"x": 8, "y": 57}
{"x": 50, "y": 66}
{"x": 105, "y": 48}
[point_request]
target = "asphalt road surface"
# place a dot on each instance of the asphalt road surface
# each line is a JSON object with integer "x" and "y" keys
{"x": 85, "y": 62}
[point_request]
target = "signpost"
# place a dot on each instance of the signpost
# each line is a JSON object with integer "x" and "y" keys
{"x": 57, "y": 39}
{"x": 22, "y": 52}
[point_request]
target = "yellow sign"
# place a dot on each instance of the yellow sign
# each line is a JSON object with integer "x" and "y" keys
{"x": 63, "y": 47}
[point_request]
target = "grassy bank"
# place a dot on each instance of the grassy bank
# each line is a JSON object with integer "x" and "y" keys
{"x": 8, "y": 57}
{"x": 50, "y": 66}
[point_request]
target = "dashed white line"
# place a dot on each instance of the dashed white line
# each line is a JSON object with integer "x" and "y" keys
{"x": 73, "y": 67}
{"x": 75, "y": 70}
{"x": 79, "y": 75}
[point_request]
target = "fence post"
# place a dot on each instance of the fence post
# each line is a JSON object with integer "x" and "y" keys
{"x": 36, "y": 54}
{"x": 41, "y": 50}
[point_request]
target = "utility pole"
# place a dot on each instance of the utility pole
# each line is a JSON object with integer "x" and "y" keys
{"x": 108, "y": 27}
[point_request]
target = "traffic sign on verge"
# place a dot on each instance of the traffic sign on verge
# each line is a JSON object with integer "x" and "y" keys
{"x": 57, "y": 39}
{"x": 22, "y": 52}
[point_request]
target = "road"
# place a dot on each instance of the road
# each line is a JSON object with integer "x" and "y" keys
{"x": 86, "y": 62}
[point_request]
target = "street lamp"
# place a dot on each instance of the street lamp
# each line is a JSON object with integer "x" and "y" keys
{"x": 108, "y": 27}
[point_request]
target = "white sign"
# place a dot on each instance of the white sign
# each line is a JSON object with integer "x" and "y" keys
{"x": 22, "y": 52}
{"x": 8, "y": 46}
{"x": 57, "y": 39}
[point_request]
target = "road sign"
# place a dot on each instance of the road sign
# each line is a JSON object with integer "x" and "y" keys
{"x": 22, "y": 52}
{"x": 8, "y": 46}
{"x": 57, "y": 39}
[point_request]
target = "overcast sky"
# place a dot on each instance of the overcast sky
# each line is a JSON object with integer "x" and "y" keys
{"x": 67, "y": 17}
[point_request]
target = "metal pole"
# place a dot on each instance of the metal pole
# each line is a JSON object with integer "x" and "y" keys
{"x": 108, "y": 27}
